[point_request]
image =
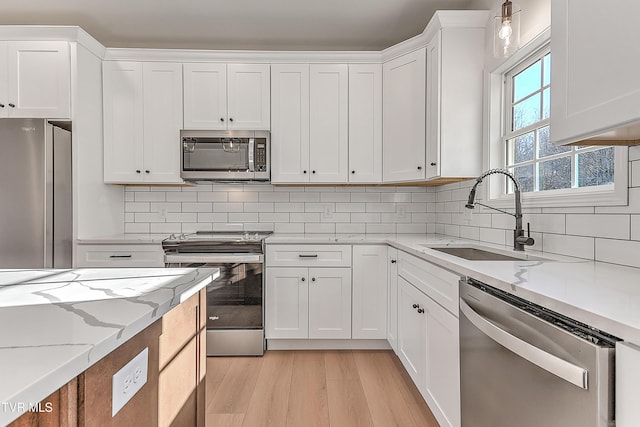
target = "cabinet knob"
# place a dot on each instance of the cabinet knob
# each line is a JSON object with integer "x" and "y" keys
{"x": 230, "y": 119}
{"x": 146, "y": 171}
{"x": 419, "y": 168}
{"x": 313, "y": 171}
{"x": 222, "y": 119}
{"x": 313, "y": 279}
{"x": 421, "y": 310}
{"x": 393, "y": 261}
{"x": 433, "y": 163}
{"x": 302, "y": 279}
{"x": 137, "y": 170}
{"x": 1, "y": 105}
{"x": 304, "y": 171}
{"x": 415, "y": 306}
{"x": 353, "y": 171}
{"x": 12, "y": 105}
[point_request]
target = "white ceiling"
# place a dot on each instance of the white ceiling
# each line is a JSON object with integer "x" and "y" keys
{"x": 238, "y": 24}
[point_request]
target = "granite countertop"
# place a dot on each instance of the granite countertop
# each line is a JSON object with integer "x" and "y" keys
{"x": 603, "y": 295}
{"x": 58, "y": 323}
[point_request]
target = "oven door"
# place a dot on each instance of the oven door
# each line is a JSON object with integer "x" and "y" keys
{"x": 235, "y": 315}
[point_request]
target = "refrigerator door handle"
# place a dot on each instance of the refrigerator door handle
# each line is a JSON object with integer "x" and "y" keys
{"x": 547, "y": 361}
{"x": 48, "y": 197}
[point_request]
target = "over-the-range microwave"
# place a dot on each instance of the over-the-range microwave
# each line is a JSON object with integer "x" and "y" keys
{"x": 225, "y": 155}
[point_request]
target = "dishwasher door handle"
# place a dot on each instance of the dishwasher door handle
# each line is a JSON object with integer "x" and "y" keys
{"x": 561, "y": 368}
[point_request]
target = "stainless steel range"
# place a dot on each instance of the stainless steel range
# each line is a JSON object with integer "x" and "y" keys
{"x": 235, "y": 314}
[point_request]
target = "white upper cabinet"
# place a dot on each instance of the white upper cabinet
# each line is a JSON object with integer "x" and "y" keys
{"x": 142, "y": 122}
{"x": 35, "y": 79}
{"x": 594, "y": 69}
{"x": 328, "y": 123}
{"x": 289, "y": 123}
{"x": 365, "y": 123}
{"x": 221, "y": 96}
{"x": 404, "y": 117}
{"x": 455, "y": 60}
{"x": 309, "y": 124}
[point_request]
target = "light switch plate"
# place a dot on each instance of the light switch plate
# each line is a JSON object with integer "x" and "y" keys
{"x": 129, "y": 380}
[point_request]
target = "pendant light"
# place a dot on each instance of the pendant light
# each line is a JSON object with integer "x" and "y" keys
{"x": 506, "y": 37}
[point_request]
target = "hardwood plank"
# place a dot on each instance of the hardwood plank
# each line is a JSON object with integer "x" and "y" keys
{"x": 422, "y": 415}
{"x": 308, "y": 402}
{"x": 225, "y": 420}
{"x": 270, "y": 399}
{"x": 347, "y": 404}
{"x": 386, "y": 400}
{"x": 340, "y": 365}
{"x": 217, "y": 368}
{"x": 235, "y": 389}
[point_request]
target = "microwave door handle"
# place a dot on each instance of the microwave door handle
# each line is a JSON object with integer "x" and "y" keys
{"x": 251, "y": 148}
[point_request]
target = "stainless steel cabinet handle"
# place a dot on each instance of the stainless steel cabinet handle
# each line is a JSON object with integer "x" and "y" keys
{"x": 393, "y": 261}
{"x": 12, "y": 105}
{"x": 308, "y": 256}
{"x": 419, "y": 168}
{"x": 1, "y": 105}
{"x": 119, "y": 256}
{"x": 433, "y": 163}
{"x": 561, "y": 368}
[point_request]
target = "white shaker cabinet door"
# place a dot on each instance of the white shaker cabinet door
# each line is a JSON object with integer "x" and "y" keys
{"x": 369, "y": 292}
{"x": 594, "y": 68}
{"x": 38, "y": 79}
{"x": 205, "y": 96}
{"x": 329, "y": 303}
{"x": 287, "y": 302}
{"x": 248, "y": 96}
{"x": 123, "y": 121}
{"x": 290, "y": 123}
{"x": 392, "y": 312}
{"x": 412, "y": 331}
{"x": 404, "y": 92}
{"x": 162, "y": 84}
{"x": 328, "y": 123}
{"x": 365, "y": 123}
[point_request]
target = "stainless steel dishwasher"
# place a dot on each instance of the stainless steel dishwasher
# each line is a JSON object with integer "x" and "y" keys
{"x": 523, "y": 365}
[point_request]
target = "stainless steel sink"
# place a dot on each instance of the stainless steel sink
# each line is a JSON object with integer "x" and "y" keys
{"x": 475, "y": 254}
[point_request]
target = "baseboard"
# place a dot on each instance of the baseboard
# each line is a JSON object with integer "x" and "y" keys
{"x": 302, "y": 344}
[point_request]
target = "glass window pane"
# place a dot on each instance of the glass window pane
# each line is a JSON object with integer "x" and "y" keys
{"x": 526, "y": 112}
{"x": 520, "y": 149}
{"x": 555, "y": 174}
{"x": 546, "y": 103}
{"x": 524, "y": 175}
{"x": 545, "y": 147}
{"x": 546, "y": 80}
{"x": 595, "y": 167}
{"x": 528, "y": 81}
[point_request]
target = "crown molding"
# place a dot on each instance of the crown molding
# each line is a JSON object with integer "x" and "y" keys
{"x": 52, "y": 33}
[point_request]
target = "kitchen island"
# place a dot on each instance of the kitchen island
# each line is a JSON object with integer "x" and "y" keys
{"x": 56, "y": 324}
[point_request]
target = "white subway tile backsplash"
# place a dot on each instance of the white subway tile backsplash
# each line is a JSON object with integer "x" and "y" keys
{"x": 452, "y": 230}
{"x": 274, "y": 217}
{"x": 365, "y": 217}
{"x": 544, "y": 223}
{"x": 581, "y": 247}
{"x": 304, "y": 197}
{"x": 380, "y": 207}
{"x": 181, "y": 217}
{"x": 197, "y": 207}
{"x": 213, "y": 197}
{"x": 192, "y": 227}
{"x": 128, "y": 196}
{"x": 380, "y": 228}
{"x": 304, "y": 217}
{"x": 335, "y": 197}
{"x": 258, "y": 207}
{"x": 230, "y": 226}
{"x": 282, "y": 227}
{"x": 288, "y": 207}
{"x": 472, "y": 233}
{"x": 395, "y": 218}
{"x": 150, "y": 196}
{"x": 136, "y": 207}
{"x": 493, "y": 235}
{"x": 335, "y": 217}
{"x": 350, "y": 228}
{"x": 635, "y": 173}
{"x": 165, "y": 227}
{"x": 609, "y": 226}
{"x": 228, "y": 207}
{"x": 365, "y": 197}
{"x": 165, "y": 206}
{"x": 635, "y": 227}
{"x": 135, "y": 227}
{"x": 311, "y": 227}
{"x": 274, "y": 197}
{"x": 148, "y": 217}
{"x": 397, "y": 197}
{"x": 412, "y": 228}
{"x": 243, "y": 217}
{"x": 182, "y": 197}
{"x": 423, "y": 217}
{"x": 423, "y": 197}
{"x": 212, "y": 217}
{"x": 624, "y": 252}
{"x": 350, "y": 207}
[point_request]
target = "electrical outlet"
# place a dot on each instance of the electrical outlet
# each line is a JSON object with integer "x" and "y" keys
{"x": 328, "y": 212}
{"x": 401, "y": 211}
{"x": 163, "y": 213}
{"x": 129, "y": 380}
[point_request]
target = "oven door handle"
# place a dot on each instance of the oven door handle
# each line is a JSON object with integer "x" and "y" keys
{"x": 561, "y": 368}
{"x": 213, "y": 258}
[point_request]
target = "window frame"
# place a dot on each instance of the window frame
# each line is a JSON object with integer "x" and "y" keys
{"x": 499, "y": 120}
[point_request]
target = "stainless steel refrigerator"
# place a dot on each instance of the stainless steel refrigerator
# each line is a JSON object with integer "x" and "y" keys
{"x": 35, "y": 194}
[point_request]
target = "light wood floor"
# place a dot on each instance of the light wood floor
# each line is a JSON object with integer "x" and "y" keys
{"x": 313, "y": 388}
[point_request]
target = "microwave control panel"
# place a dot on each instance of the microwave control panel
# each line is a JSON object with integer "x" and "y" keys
{"x": 261, "y": 157}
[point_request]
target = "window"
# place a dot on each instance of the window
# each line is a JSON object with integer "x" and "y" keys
{"x": 518, "y": 139}
{"x": 530, "y": 156}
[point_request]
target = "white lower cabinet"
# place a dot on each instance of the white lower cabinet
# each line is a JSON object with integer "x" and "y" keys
{"x": 392, "y": 305}
{"x": 306, "y": 302}
{"x": 119, "y": 255}
{"x": 428, "y": 346}
{"x": 369, "y": 292}
{"x": 627, "y": 388}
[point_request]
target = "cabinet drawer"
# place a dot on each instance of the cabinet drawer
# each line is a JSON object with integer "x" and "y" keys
{"x": 120, "y": 256}
{"x": 439, "y": 284}
{"x": 309, "y": 255}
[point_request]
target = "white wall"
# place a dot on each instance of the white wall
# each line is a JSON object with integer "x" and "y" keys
{"x": 99, "y": 208}
{"x": 331, "y": 209}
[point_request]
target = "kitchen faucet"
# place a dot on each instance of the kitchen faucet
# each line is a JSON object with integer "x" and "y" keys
{"x": 519, "y": 239}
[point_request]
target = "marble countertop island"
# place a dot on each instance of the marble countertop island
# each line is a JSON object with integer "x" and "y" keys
{"x": 58, "y": 323}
